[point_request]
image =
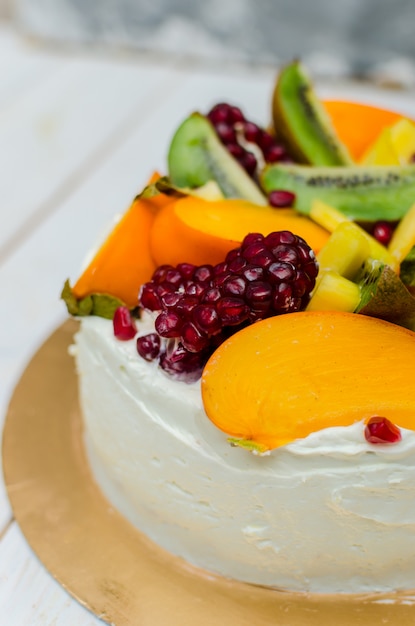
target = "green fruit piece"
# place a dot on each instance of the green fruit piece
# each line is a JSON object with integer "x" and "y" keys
{"x": 334, "y": 293}
{"x": 365, "y": 194}
{"x": 301, "y": 121}
{"x": 384, "y": 295}
{"x": 196, "y": 156}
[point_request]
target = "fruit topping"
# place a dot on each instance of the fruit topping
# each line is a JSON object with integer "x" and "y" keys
{"x": 301, "y": 121}
{"x": 382, "y": 231}
{"x": 198, "y": 307}
{"x": 124, "y": 325}
{"x": 381, "y": 430}
{"x": 291, "y": 375}
{"x": 362, "y": 193}
{"x": 281, "y": 198}
{"x": 197, "y": 156}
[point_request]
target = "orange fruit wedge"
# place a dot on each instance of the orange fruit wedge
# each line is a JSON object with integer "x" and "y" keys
{"x": 197, "y": 231}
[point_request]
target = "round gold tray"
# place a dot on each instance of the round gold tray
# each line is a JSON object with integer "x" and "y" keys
{"x": 99, "y": 558}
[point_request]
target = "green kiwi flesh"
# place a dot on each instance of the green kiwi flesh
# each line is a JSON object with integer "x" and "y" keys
{"x": 301, "y": 121}
{"x": 365, "y": 194}
{"x": 197, "y": 156}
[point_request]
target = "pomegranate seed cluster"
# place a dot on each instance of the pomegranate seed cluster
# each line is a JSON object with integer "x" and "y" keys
{"x": 238, "y": 135}
{"x": 198, "y": 307}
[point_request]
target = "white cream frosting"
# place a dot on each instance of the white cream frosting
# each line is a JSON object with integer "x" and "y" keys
{"x": 329, "y": 513}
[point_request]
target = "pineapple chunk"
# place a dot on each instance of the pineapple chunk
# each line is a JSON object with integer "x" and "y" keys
{"x": 329, "y": 218}
{"x": 403, "y": 239}
{"x": 335, "y": 293}
{"x": 345, "y": 251}
{"x": 394, "y": 146}
{"x": 326, "y": 216}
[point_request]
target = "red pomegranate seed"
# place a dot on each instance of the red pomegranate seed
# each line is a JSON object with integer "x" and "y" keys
{"x": 149, "y": 297}
{"x": 275, "y": 153}
{"x": 206, "y": 318}
{"x": 168, "y": 324}
{"x": 148, "y": 346}
{"x": 234, "y": 286}
{"x": 236, "y": 115}
{"x": 249, "y": 162}
{"x": 382, "y": 232}
{"x": 235, "y": 150}
{"x": 281, "y": 198}
{"x": 232, "y": 311}
{"x": 193, "y": 339}
{"x": 265, "y": 141}
{"x": 123, "y": 324}
{"x": 186, "y": 270}
{"x": 381, "y": 430}
{"x": 220, "y": 113}
{"x": 226, "y": 133}
{"x": 252, "y": 132}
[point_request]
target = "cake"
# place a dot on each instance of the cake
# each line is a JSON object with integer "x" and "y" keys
{"x": 328, "y": 507}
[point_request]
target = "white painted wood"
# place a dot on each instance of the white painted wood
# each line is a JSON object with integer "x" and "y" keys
{"x": 29, "y": 596}
{"x": 62, "y": 128}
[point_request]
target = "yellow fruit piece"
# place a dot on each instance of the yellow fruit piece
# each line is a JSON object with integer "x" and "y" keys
{"x": 345, "y": 251}
{"x": 326, "y": 216}
{"x": 382, "y": 152}
{"x": 394, "y": 146}
{"x": 403, "y": 239}
{"x": 335, "y": 293}
{"x": 403, "y": 139}
{"x": 290, "y": 375}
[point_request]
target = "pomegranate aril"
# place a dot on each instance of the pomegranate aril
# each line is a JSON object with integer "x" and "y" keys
{"x": 183, "y": 365}
{"x": 173, "y": 277}
{"x": 206, "y": 318}
{"x": 251, "y": 238}
{"x": 186, "y": 304}
{"x": 203, "y": 273}
{"x": 282, "y": 297}
{"x": 123, "y": 324}
{"x": 232, "y": 311}
{"x": 148, "y": 346}
{"x": 381, "y": 430}
{"x": 286, "y": 252}
{"x": 234, "y": 286}
{"x": 168, "y": 324}
{"x": 159, "y": 274}
{"x": 274, "y": 153}
{"x": 235, "y": 115}
{"x": 236, "y": 265}
{"x": 186, "y": 270}
{"x": 281, "y": 198}
{"x": 219, "y": 113}
{"x": 252, "y": 132}
{"x": 253, "y": 272}
{"x": 258, "y": 292}
{"x": 249, "y": 162}
{"x": 211, "y": 295}
{"x": 235, "y": 150}
{"x": 226, "y": 133}
{"x": 149, "y": 297}
{"x": 281, "y": 271}
{"x": 382, "y": 232}
{"x": 266, "y": 141}
{"x": 192, "y": 338}
{"x": 193, "y": 289}
{"x": 170, "y": 299}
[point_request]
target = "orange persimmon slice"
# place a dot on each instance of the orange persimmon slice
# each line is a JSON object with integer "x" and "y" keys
{"x": 358, "y": 125}
{"x": 123, "y": 262}
{"x": 198, "y": 231}
{"x": 291, "y": 375}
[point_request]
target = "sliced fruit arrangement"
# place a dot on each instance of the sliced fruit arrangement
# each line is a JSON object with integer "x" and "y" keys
{"x": 313, "y": 217}
{"x": 287, "y": 377}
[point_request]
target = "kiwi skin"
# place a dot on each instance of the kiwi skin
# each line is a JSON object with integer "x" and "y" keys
{"x": 197, "y": 156}
{"x": 302, "y": 123}
{"x": 364, "y": 194}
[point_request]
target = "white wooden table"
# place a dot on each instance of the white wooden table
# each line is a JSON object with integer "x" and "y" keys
{"x": 79, "y": 135}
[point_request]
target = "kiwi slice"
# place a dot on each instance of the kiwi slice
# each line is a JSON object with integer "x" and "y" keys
{"x": 197, "y": 156}
{"x": 301, "y": 121}
{"x": 365, "y": 194}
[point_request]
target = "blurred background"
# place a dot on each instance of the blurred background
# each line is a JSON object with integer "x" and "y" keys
{"x": 360, "y": 38}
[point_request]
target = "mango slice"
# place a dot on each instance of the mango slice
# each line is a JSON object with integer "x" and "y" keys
{"x": 197, "y": 231}
{"x": 394, "y": 146}
{"x": 291, "y": 375}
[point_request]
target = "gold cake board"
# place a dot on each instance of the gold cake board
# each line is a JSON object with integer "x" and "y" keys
{"x": 105, "y": 563}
